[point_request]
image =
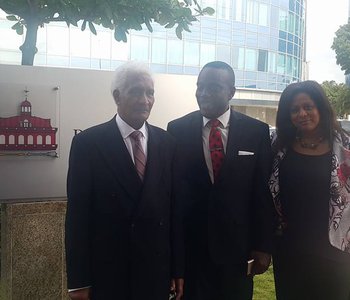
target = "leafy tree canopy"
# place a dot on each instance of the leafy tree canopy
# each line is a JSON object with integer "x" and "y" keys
{"x": 341, "y": 45}
{"x": 118, "y": 15}
{"x": 339, "y": 97}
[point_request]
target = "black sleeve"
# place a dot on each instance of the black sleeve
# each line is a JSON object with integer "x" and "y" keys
{"x": 77, "y": 227}
{"x": 263, "y": 205}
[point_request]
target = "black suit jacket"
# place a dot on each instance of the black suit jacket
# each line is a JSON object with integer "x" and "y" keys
{"x": 119, "y": 231}
{"x": 232, "y": 217}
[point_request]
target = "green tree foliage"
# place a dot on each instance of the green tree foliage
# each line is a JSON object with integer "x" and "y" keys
{"x": 339, "y": 97}
{"x": 341, "y": 46}
{"x": 118, "y": 15}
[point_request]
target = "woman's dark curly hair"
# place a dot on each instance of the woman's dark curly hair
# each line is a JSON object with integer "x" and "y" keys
{"x": 286, "y": 131}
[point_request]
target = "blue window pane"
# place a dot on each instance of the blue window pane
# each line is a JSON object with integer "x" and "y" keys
{"x": 274, "y": 32}
{"x": 282, "y": 46}
{"x": 191, "y": 70}
{"x": 272, "y": 77}
{"x": 223, "y": 53}
{"x": 224, "y": 36}
{"x": 209, "y": 34}
{"x": 58, "y": 61}
{"x": 251, "y": 39}
{"x": 224, "y": 24}
{"x": 239, "y": 26}
{"x": 175, "y": 69}
{"x": 250, "y": 84}
{"x": 274, "y": 44}
{"x": 264, "y": 30}
{"x": 207, "y": 53}
{"x": 290, "y": 48}
{"x": 195, "y": 33}
{"x": 264, "y": 41}
{"x": 156, "y": 68}
{"x": 271, "y": 86}
{"x": 281, "y": 86}
{"x": 295, "y": 51}
{"x": 238, "y": 38}
{"x": 274, "y": 17}
{"x": 292, "y": 5}
{"x": 239, "y": 74}
{"x": 158, "y": 51}
{"x": 191, "y": 53}
{"x": 262, "y": 85}
{"x": 251, "y": 75}
{"x": 283, "y": 35}
{"x": 252, "y": 28}
{"x": 262, "y": 76}
{"x": 239, "y": 83}
{"x": 290, "y": 37}
{"x": 175, "y": 52}
{"x": 116, "y": 63}
{"x": 80, "y": 62}
{"x": 208, "y": 22}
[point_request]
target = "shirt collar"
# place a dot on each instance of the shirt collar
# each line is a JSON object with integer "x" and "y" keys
{"x": 125, "y": 129}
{"x": 224, "y": 119}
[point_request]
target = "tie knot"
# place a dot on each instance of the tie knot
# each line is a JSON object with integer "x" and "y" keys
{"x": 136, "y": 135}
{"x": 214, "y": 123}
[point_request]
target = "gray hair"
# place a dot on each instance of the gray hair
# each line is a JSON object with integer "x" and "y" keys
{"x": 122, "y": 73}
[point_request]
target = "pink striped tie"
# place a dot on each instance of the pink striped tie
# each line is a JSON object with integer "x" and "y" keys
{"x": 139, "y": 155}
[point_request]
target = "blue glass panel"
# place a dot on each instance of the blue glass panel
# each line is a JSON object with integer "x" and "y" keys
{"x": 239, "y": 83}
{"x": 290, "y": 37}
{"x": 251, "y": 75}
{"x": 175, "y": 69}
{"x": 272, "y": 77}
{"x": 282, "y": 46}
{"x": 281, "y": 86}
{"x": 238, "y": 38}
{"x": 252, "y": 28}
{"x": 274, "y": 16}
{"x": 275, "y": 2}
{"x": 224, "y": 24}
{"x": 263, "y": 29}
{"x": 290, "y": 48}
{"x": 264, "y": 41}
{"x": 274, "y": 32}
{"x": 297, "y": 8}
{"x": 283, "y": 35}
{"x": 262, "y": 85}
{"x": 239, "y": 26}
{"x": 156, "y": 68}
{"x": 274, "y": 44}
{"x": 292, "y": 5}
{"x": 208, "y": 22}
{"x": 251, "y": 39}
{"x": 116, "y": 63}
{"x": 271, "y": 86}
{"x": 284, "y": 4}
{"x": 239, "y": 74}
{"x": 191, "y": 70}
{"x": 209, "y": 34}
{"x": 80, "y": 62}
{"x": 59, "y": 61}
{"x": 262, "y": 76}
{"x": 250, "y": 84}
{"x": 295, "y": 51}
{"x": 223, "y": 53}
{"x": 224, "y": 36}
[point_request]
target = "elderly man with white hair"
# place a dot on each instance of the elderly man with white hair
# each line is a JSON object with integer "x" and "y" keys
{"x": 123, "y": 230}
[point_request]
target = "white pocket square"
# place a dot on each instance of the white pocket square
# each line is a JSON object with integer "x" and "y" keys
{"x": 245, "y": 153}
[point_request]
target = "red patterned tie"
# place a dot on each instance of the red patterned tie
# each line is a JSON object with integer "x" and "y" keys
{"x": 139, "y": 155}
{"x": 216, "y": 147}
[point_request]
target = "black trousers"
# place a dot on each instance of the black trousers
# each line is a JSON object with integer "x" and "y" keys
{"x": 308, "y": 277}
{"x": 205, "y": 280}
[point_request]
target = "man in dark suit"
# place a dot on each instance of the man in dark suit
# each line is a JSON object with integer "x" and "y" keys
{"x": 225, "y": 158}
{"x": 121, "y": 236}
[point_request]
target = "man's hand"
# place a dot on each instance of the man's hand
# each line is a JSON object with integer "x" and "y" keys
{"x": 261, "y": 263}
{"x": 83, "y": 294}
{"x": 177, "y": 286}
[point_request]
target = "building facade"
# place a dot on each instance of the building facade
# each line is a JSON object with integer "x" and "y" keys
{"x": 263, "y": 40}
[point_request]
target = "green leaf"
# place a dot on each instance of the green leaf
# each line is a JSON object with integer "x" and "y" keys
{"x": 178, "y": 32}
{"x": 19, "y": 30}
{"x": 83, "y": 26}
{"x": 149, "y": 26}
{"x": 208, "y": 11}
{"x": 92, "y": 28}
{"x": 12, "y": 18}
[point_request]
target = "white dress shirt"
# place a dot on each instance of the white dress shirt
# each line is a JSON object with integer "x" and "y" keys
{"x": 125, "y": 130}
{"x": 224, "y": 127}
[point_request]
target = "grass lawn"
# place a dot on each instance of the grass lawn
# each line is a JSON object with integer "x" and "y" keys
{"x": 264, "y": 286}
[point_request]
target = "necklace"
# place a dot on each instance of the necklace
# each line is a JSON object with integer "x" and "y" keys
{"x": 307, "y": 145}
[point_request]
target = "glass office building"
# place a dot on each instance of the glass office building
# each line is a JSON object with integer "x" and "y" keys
{"x": 264, "y": 41}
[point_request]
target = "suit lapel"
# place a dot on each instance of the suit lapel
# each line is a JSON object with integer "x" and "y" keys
{"x": 114, "y": 151}
{"x": 154, "y": 169}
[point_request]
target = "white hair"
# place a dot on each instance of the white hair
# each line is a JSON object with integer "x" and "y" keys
{"x": 122, "y": 73}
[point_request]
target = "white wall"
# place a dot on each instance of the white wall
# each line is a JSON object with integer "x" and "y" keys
{"x": 84, "y": 100}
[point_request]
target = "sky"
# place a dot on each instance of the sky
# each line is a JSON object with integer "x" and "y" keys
{"x": 323, "y": 19}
